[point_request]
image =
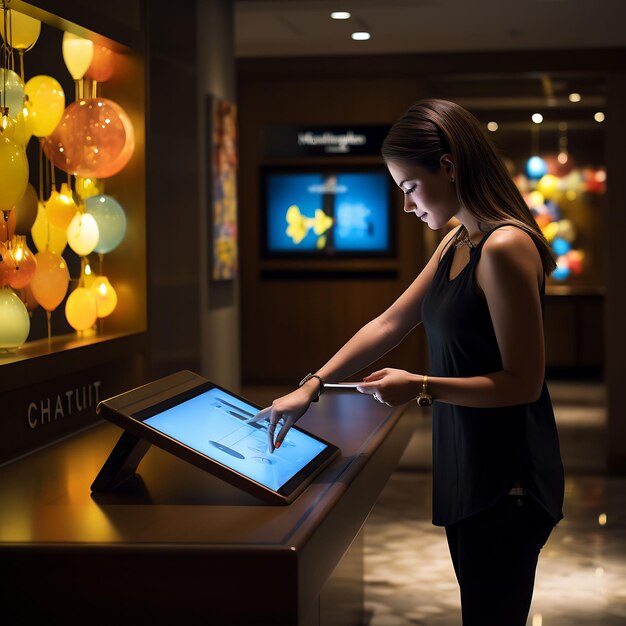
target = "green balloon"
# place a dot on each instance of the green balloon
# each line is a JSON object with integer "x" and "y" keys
{"x": 111, "y": 220}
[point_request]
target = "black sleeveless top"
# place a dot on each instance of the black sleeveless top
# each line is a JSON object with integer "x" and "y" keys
{"x": 480, "y": 453}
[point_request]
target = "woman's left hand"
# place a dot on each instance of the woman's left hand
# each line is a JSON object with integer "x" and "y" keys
{"x": 392, "y": 386}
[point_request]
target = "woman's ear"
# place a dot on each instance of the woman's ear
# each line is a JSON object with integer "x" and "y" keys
{"x": 448, "y": 165}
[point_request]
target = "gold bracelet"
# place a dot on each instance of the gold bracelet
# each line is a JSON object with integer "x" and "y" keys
{"x": 424, "y": 398}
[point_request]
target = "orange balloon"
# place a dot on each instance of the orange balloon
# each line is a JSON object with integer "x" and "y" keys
{"x": 102, "y": 66}
{"x": 88, "y": 139}
{"x": 25, "y": 263}
{"x": 50, "y": 282}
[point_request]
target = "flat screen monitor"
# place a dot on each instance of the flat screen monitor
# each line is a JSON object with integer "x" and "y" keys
{"x": 328, "y": 213}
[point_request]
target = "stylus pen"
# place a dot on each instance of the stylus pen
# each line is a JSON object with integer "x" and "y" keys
{"x": 342, "y": 385}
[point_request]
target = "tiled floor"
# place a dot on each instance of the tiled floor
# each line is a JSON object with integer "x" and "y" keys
{"x": 581, "y": 577}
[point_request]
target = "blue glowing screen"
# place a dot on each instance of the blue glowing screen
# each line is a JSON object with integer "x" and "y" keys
{"x": 213, "y": 423}
{"x": 343, "y": 212}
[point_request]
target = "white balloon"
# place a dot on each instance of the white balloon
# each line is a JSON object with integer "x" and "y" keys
{"x": 83, "y": 234}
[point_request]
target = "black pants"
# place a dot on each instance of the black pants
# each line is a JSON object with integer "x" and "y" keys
{"x": 495, "y": 557}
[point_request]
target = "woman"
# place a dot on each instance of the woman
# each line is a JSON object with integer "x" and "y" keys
{"x": 497, "y": 472}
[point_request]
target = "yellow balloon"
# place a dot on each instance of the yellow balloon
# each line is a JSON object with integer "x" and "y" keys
{"x": 103, "y": 292}
{"x": 13, "y": 173}
{"x": 88, "y": 187}
{"x": 47, "y": 103}
{"x": 77, "y": 54}
{"x": 46, "y": 236}
{"x": 548, "y": 185}
{"x": 61, "y": 207}
{"x": 23, "y": 132}
{"x": 80, "y": 309}
{"x": 23, "y": 30}
{"x": 50, "y": 282}
{"x": 550, "y": 231}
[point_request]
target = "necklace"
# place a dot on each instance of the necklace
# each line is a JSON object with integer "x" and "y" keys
{"x": 465, "y": 241}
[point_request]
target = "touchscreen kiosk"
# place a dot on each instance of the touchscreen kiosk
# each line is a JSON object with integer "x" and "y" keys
{"x": 207, "y": 425}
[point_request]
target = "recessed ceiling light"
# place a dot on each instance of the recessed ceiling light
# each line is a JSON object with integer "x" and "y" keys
{"x": 575, "y": 97}
{"x": 341, "y": 15}
{"x": 492, "y": 126}
{"x": 599, "y": 117}
{"x": 537, "y": 118}
{"x": 360, "y": 36}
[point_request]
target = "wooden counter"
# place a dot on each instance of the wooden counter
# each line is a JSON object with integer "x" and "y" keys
{"x": 176, "y": 544}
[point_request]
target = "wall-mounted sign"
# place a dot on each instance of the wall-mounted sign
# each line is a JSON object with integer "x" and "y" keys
{"x": 38, "y": 414}
{"x": 299, "y": 141}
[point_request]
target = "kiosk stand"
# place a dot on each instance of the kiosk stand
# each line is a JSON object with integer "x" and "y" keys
{"x": 177, "y": 544}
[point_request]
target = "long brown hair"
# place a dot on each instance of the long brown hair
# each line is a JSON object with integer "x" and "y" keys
{"x": 432, "y": 128}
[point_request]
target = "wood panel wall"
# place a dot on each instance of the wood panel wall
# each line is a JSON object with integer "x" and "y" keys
{"x": 290, "y": 327}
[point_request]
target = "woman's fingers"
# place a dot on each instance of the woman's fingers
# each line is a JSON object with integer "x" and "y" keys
{"x": 375, "y": 376}
{"x": 287, "y": 424}
{"x": 261, "y": 415}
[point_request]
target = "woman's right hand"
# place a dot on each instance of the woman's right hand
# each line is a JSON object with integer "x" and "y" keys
{"x": 289, "y": 408}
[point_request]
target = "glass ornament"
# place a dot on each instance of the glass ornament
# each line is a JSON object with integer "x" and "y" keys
{"x": 111, "y": 221}
{"x": 47, "y": 104}
{"x": 80, "y": 309}
{"x": 45, "y": 235}
{"x": 89, "y": 138}
{"x": 105, "y": 295}
{"x": 23, "y": 30}
{"x": 14, "y": 320}
{"x": 13, "y": 173}
{"x": 82, "y": 233}
{"x": 77, "y": 54}
{"x": 50, "y": 282}
{"x": 60, "y": 207}
{"x": 26, "y": 211}
{"x": 11, "y": 91}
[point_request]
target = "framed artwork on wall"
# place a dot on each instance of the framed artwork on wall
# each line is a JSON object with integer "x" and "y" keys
{"x": 223, "y": 176}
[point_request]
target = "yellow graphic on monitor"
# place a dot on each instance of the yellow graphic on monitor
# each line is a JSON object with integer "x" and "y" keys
{"x": 299, "y": 225}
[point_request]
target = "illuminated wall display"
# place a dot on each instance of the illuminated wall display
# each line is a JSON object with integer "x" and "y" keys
{"x": 59, "y": 131}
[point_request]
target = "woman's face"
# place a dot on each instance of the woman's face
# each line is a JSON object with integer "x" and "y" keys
{"x": 431, "y": 196}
